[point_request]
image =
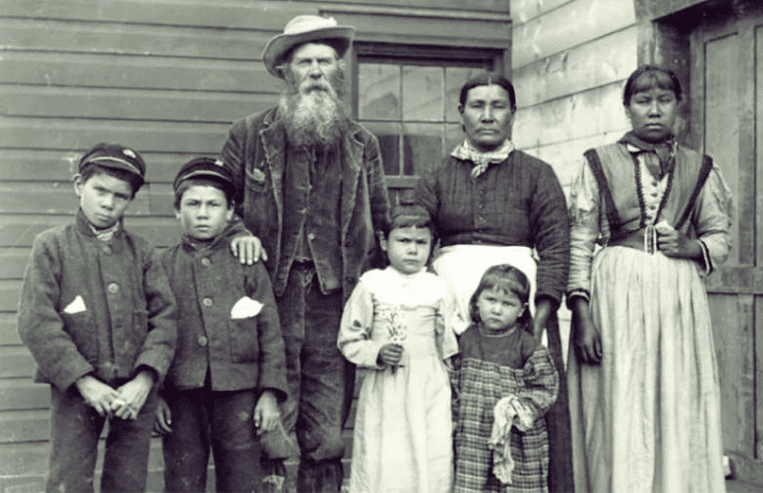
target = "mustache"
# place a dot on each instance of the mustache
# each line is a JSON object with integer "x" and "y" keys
{"x": 318, "y": 86}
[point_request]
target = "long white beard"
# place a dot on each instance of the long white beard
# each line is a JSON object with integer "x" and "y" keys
{"x": 314, "y": 119}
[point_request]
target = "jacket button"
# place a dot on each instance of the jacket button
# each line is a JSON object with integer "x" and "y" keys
{"x": 113, "y": 288}
{"x": 202, "y": 341}
{"x": 207, "y": 301}
{"x": 205, "y": 262}
{"x": 107, "y": 249}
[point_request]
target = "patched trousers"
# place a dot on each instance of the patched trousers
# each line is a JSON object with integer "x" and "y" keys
{"x": 320, "y": 384}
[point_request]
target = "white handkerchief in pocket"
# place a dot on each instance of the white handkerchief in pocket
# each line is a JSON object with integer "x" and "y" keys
{"x": 245, "y": 308}
{"x": 76, "y": 306}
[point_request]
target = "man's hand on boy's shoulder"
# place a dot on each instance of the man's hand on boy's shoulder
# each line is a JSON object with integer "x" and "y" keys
{"x": 133, "y": 395}
{"x": 248, "y": 249}
{"x": 97, "y": 394}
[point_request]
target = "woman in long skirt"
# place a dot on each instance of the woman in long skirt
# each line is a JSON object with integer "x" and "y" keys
{"x": 644, "y": 392}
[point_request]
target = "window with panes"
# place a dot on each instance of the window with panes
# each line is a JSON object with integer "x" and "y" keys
{"x": 408, "y": 97}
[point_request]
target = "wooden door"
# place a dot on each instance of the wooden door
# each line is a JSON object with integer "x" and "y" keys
{"x": 727, "y": 123}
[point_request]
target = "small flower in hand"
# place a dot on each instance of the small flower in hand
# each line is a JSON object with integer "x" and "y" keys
{"x": 398, "y": 333}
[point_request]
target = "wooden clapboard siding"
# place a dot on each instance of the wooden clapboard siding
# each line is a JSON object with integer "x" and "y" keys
{"x": 401, "y": 26}
{"x": 46, "y": 34}
{"x": 235, "y": 14}
{"x": 524, "y": 10}
{"x": 54, "y": 165}
{"x": 574, "y": 117}
{"x": 497, "y": 6}
{"x": 570, "y": 59}
{"x": 130, "y": 71}
{"x": 9, "y": 336}
{"x": 571, "y": 24}
{"x": 128, "y": 104}
{"x": 600, "y": 62}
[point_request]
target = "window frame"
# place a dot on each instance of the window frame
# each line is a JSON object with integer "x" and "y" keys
{"x": 418, "y": 55}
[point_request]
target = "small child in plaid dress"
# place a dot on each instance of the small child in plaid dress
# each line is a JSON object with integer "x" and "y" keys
{"x": 504, "y": 384}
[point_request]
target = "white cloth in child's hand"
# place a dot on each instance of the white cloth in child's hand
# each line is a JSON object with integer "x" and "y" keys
{"x": 508, "y": 411}
{"x": 244, "y": 308}
{"x": 76, "y": 306}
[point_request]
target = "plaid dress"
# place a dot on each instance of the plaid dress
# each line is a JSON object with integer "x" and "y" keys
{"x": 491, "y": 367}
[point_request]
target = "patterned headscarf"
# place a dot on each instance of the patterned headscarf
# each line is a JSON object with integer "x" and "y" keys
{"x": 467, "y": 152}
{"x": 659, "y": 157}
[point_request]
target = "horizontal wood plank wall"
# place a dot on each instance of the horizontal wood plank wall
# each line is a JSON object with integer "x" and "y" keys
{"x": 166, "y": 77}
{"x": 570, "y": 59}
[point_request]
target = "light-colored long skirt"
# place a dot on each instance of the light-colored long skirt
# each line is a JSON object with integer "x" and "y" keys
{"x": 648, "y": 418}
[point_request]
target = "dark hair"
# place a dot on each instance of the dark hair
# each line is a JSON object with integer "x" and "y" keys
{"x": 405, "y": 215}
{"x": 507, "y": 278}
{"x": 205, "y": 181}
{"x": 91, "y": 169}
{"x": 487, "y": 79}
{"x": 649, "y": 77}
{"x": 408, "y": 215}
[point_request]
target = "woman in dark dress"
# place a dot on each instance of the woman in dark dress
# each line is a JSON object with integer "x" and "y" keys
{"x": 492, "y": 204}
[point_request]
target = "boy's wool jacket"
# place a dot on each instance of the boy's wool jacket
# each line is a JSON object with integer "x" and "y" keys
{"x": 255, "y": 153}
{"x": 94, "y": 307}
{"x": 227, "y": 319}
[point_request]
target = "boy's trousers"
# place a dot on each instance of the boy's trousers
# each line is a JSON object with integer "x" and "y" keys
{"x": 74, "y": 432}
{"x": 221, "y": 421}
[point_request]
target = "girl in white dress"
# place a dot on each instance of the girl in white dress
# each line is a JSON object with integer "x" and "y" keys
{"x": 394, "y": 330}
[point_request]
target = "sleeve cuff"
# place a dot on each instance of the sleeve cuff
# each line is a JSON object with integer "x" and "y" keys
{"x": 577, "y": 293}
{"x": 706, "y": 257}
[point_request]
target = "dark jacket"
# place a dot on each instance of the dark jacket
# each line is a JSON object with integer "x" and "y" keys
{"x": 240, "y": 350}
{"x": 93, "y": 307}
{"x": 516, "y": 202}
{"x": 255, "y": 153}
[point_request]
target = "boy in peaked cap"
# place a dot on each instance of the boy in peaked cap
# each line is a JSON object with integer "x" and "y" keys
{"x": 98, "y": 316}
{"x": 229, "y": 371}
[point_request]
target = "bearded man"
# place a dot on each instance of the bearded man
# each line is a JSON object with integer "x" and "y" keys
{"x": 310, "y": 185}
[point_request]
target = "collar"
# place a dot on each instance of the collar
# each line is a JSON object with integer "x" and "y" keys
{"x": 104, "y": 235}
{"x": 630, "y": 138}
{"x": 665, "y": 151}
{"x": 467, "y": 152}
{"x": 405, "y": 277}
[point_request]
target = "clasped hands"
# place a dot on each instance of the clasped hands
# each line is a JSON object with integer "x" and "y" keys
{"x": 124, "y": 402}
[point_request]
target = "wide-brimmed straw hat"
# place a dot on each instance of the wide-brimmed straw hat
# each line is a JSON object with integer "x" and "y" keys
{"x": 305, "y": 29}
